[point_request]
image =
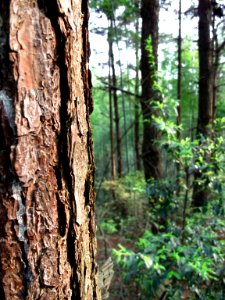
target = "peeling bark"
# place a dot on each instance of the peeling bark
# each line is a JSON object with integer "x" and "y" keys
{"x": 47, "y": 229}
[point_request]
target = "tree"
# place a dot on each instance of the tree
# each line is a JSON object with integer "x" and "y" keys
{"x": 217, "y": 49}
{"x": 113, "y": 82}
{"x": 136, "y": 90}
{"x": 179, "y": 85}
{"x": 151, "y": 155}
{"x": 168, "y": 82}
{"x": 205, "y": 109}
{"x": 179, "y": 71}
{"x": 108, "y": 8}
{"x": 205, "y": 101}
{"x": 47, "y": 225}
{"x": 112, "y": 154}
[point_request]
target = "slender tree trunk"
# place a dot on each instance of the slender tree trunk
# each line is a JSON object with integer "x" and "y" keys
{"x": 123, "y": 110}
{"x": 179, "y": 77}
{"x": 179, "y": 73}
{"x": 151, "y": 154}
{"x": 216, "y": 59}
{"x": 205, "y": 108}
{"x": 136, "y": 104}
{"x": 217, "y": 12}
{"x": 112, "y": 150}
{"x": 47, "y": 227}
{"x": 217, "y": 48}
{"x": 115, "y": 102}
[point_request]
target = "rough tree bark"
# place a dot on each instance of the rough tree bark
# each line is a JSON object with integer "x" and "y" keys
{"x": 151, "y": 154}
{"x": 47, "y": 229}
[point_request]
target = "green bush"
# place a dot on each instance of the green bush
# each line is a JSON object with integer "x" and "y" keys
{"x": 163, "y": 264}
{"x": 185, "y": 257}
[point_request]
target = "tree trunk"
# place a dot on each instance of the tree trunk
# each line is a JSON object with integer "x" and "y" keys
{"x": 47, "y": 228}
{"x": 179, "y": 77}
{"x": 201, "y": 192}
{"x": 137, "y": 103}
{"x": 217, "y": 52}
{"x": 152, "y": 159}
{"x": 205, "y": 105}
{"x": 115, "y": 102}
{"x": 179, "y": 72}
{"x": 112, "y": 150}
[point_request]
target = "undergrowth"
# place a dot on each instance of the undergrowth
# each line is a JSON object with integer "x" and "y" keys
{"x": 167, "y": 248}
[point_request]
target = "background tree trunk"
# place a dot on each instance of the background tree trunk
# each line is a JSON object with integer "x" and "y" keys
{"x": 205, "y": 107}
{"x": 47, "y": 229}
{"x": 136, "y": 91}
{"x": 201, "y": 192}
{"x": 152, "y": 159}
{"x": 111, "y": 131}
{"x": 179, "y": 71}
{"x": 179, "y": 88}
{"x": 115, "y": 101}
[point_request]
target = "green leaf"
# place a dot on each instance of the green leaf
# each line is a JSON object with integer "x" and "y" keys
{"x": 174, "y": 274}
{"x": 147, "y": 260}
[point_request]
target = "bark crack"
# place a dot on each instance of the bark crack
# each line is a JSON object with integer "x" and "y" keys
{"x": 62, "y": 28}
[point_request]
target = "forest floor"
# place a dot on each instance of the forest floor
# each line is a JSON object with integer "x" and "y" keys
{"x": 126, "y": 215}
{"x": 196, "y": 267}
{"x": 118, "y": 289}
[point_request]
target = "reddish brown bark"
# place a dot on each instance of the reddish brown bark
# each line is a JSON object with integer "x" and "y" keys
{"x": 47, "y": 229}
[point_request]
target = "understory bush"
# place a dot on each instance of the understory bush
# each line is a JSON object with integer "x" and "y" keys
{"x": 164, "y": 265}
{"x": 182, "y": 253}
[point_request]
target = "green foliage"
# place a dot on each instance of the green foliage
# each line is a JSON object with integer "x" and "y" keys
{"x": 106, "y": 6}
{"x": 108, "y": 226}
{"x": 189, "y": 86}
{"x": 163, "y": 263}
{"x": 152, "y": 64}
{"x": 187, "y": 255}
{"x": 109, "y": 8}
{"x": 99, "y": 117}
{"x": 124, "y": 198}
{"x": 184, "y": 258}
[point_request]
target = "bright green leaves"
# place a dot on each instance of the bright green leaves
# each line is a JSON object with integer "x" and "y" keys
{"x": 162, "y": 259}
{"x": 154, "y": 72}
{"x": 189, "y": 87}
{"x": 108, "y": 226}
{"x": 147, "y": 260}
{"x": 108, "y": 7}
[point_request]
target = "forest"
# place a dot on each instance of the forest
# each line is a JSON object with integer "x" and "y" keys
{"x": 158, "y": 74}
{"x": 112, "y": 140}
